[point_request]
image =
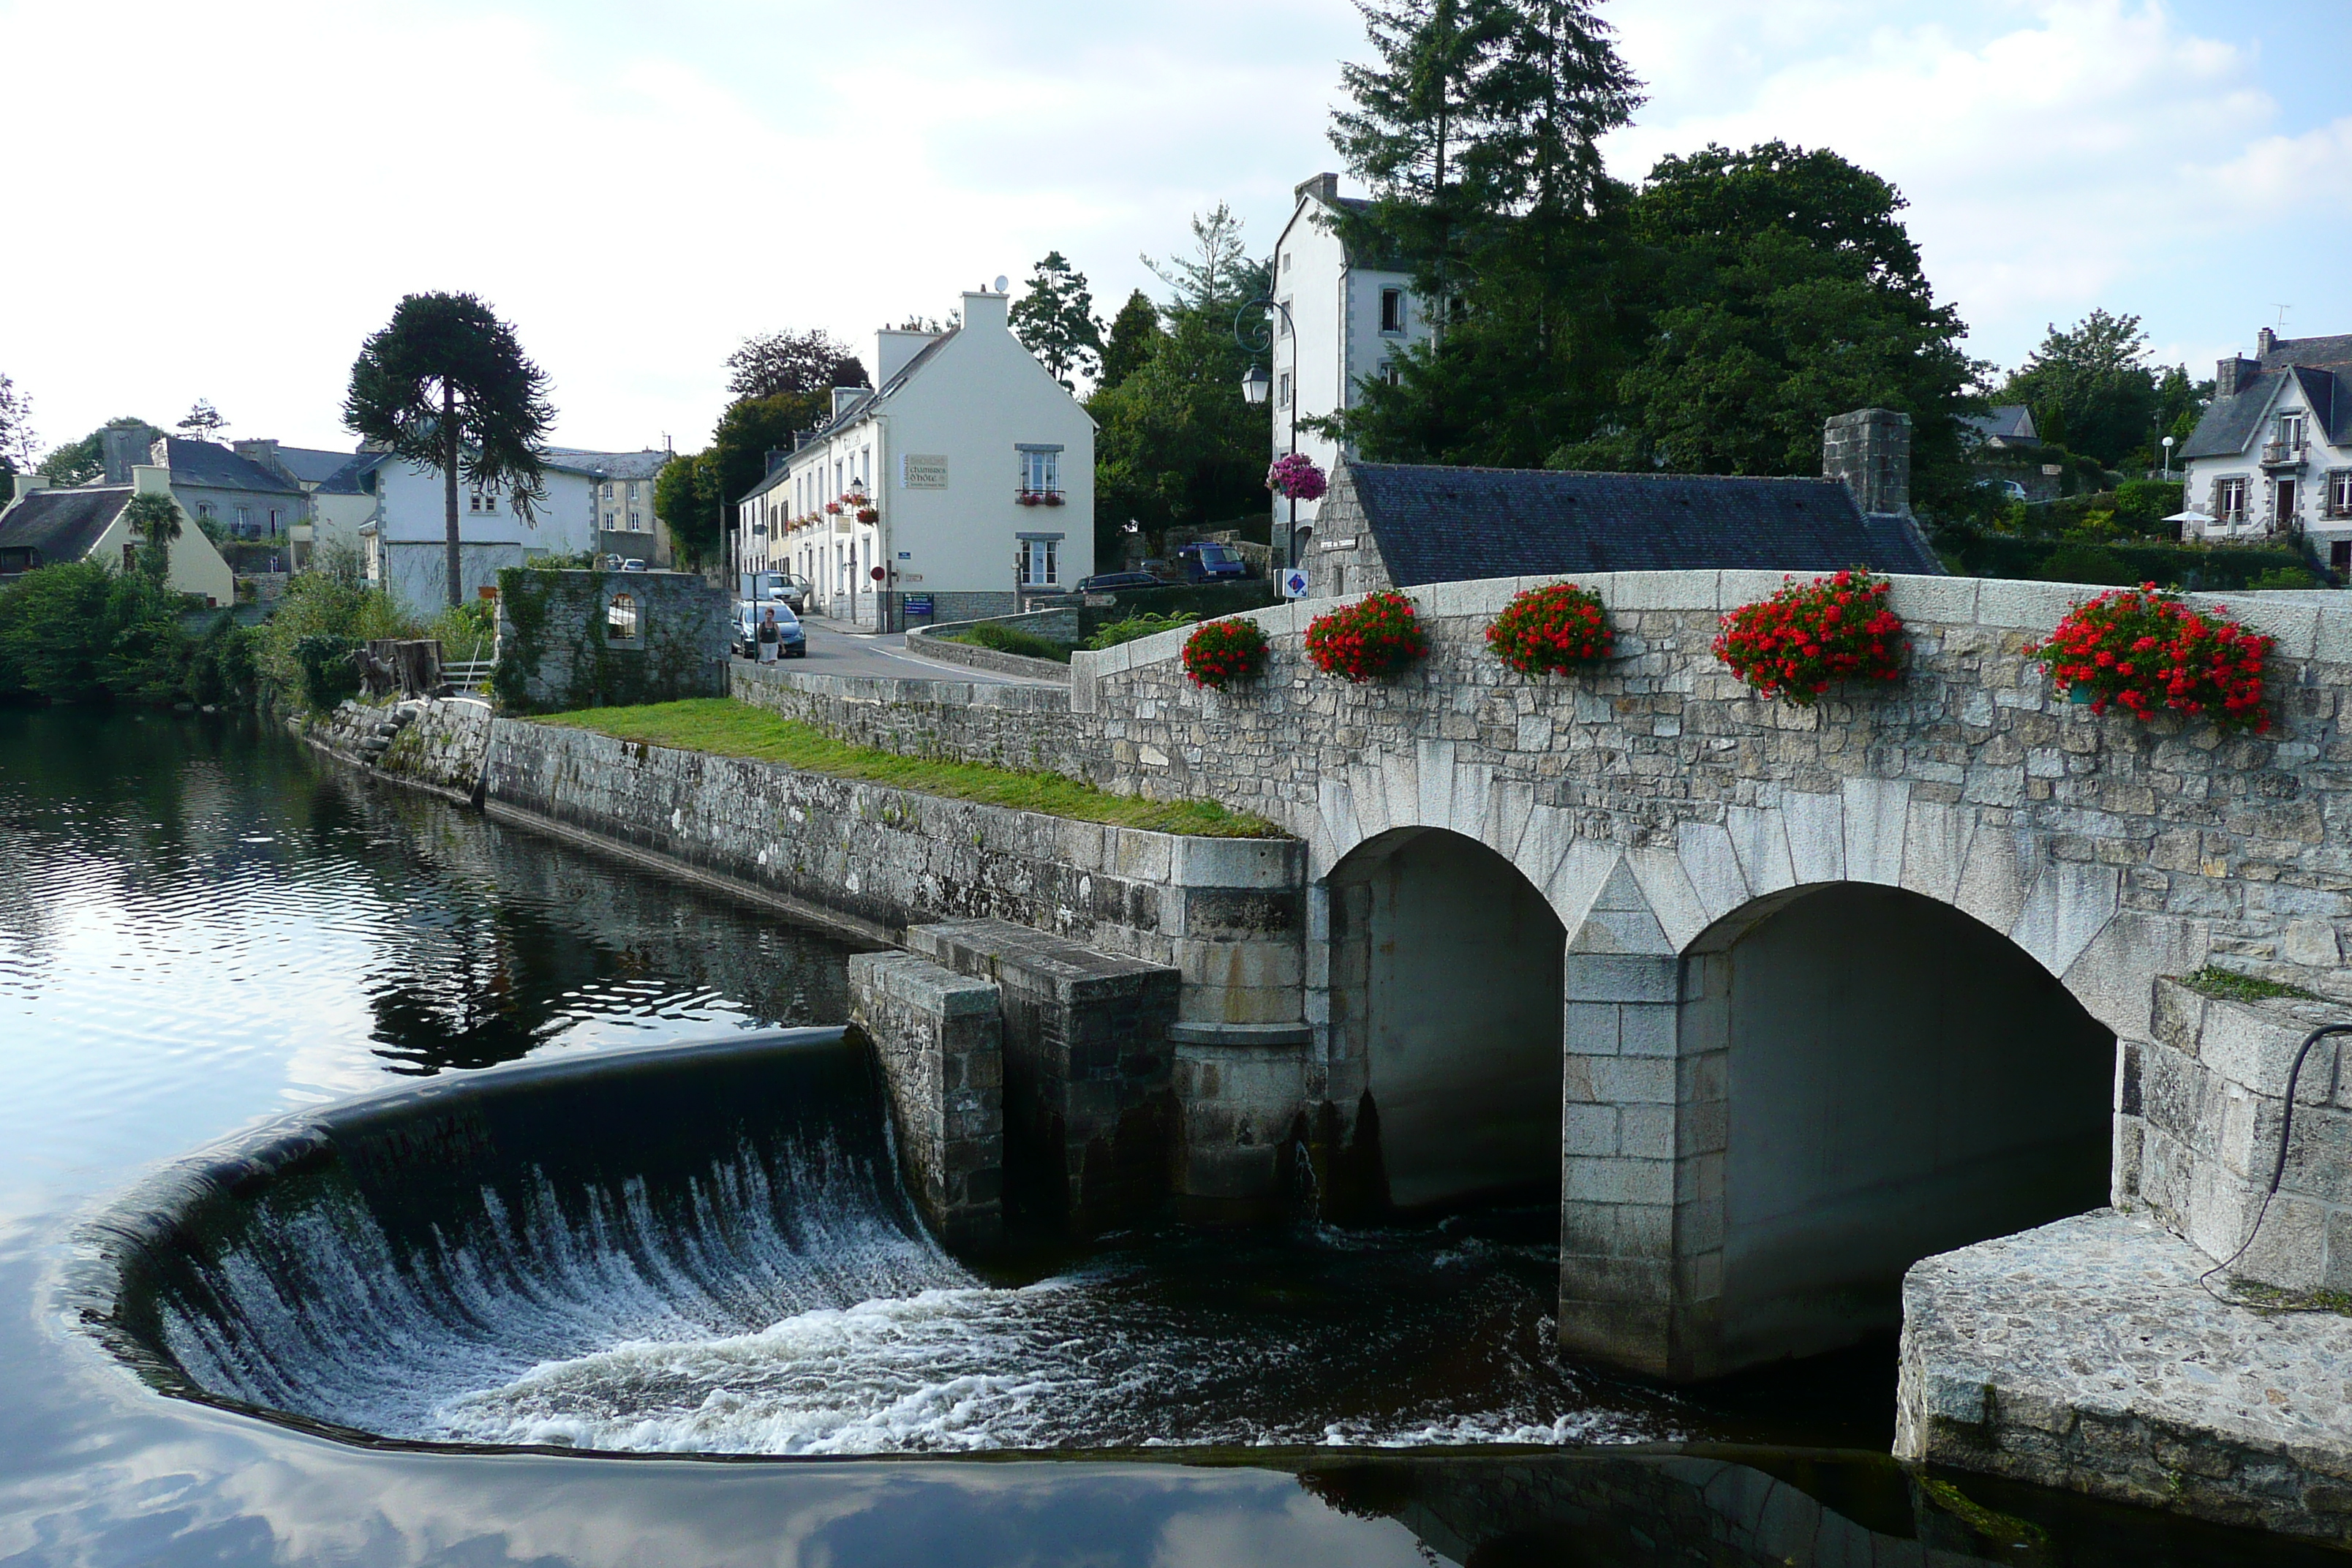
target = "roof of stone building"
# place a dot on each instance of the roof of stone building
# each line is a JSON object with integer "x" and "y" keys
{"x": 2007, "y": 422}
{"x": 2321, "y": 366}
{"x": 218, "y": 468}
{"x": 62, "y": 524}
{"x": 1445, "y": 525}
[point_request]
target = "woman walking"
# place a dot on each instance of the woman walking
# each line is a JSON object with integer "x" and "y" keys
{"x": 768, "y": 638}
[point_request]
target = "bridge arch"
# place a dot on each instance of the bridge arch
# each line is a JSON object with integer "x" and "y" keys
{"x": 1444, "y": 1018}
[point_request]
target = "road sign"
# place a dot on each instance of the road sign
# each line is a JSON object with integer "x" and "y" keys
{"x": 1294, "y": 583}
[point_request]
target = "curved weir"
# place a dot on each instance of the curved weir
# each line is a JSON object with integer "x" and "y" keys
{"x": 387, "y": 1264}
{"x": 705, "y": 1247}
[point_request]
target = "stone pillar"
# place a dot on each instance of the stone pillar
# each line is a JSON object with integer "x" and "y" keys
{"x": 1870, "y": 450}
{"x": 1088, "y": 1117}
{"x": 940, "y": 1040}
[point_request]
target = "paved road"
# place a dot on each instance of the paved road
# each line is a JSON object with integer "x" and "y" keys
{"x": 832, "y": 651}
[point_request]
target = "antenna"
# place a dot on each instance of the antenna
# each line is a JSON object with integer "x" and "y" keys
{"x": 2281, "y": 310}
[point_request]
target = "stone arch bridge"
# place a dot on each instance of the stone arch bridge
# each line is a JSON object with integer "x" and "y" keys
{"x": 1771, "y": 1001}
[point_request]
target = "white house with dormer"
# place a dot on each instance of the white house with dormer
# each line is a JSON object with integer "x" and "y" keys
{"x": 2271, "y": 455}
{"x": 1343, "y": 319}
{"x": 960, "y": 482}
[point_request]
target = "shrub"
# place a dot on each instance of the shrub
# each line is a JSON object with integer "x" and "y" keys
{"x": 1553, "y": 628}
{"x": 224, "y": 667}
{"x": 1378, "y": 635}
{"x": 2285, "y": 577}
{"x": 1014, "y": 639}
{"x": 333, "y": 600}
{"x": 1809, "y": 635}
{"x": 327, "y": 671}
{"x": 1134, "y": 626}
{"x": 76, "y": 632}
{"x": 2142, "y": 505}
{"x": 2142, "y": 649}
{"x": 1223, "y": 653}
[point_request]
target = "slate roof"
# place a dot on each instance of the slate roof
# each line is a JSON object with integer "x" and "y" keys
{"x": 2321, "y": 367}
{"x": 216, "y": 467}
{"x": 2007, "y": 422}
{"x": 316, "y": 465}
{"x": 645, "y": 465}
{"x": 1445, "y": 525}
{"x": 62, "y": 524}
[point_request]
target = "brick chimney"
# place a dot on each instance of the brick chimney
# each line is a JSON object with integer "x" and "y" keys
{"x": 1870, "y": 450}
{"x": 1325, "y": 187}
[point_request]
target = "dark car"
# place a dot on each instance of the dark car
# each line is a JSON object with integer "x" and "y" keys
{"x": 791, "y": 641}
{"x": 1111, "y": 581}
{"x": 1211, "y": 563}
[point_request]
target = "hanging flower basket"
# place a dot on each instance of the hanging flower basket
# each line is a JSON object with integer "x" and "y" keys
{"x": 1295, "y": 475}
{"x": 2144, "y": 650}
{"x": 1219, "y": 653}
{"x": 869, "y": 514}
{"x": 1552, "y": 629}
{"x": 1809, "y": 635}
{"x": 1379, "y": 634}
{"x": 832, "y": 508}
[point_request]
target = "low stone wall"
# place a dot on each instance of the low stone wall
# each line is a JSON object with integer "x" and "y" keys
{"x": 437, "y": 745}
{"x": 940, "y": 1039}
{"x": 598, "y": 639}
{"x": 940, "y": 643}
{"x": 1087, "y": 1114}
{"x": 1224, "y": 913}
{"x": 2084, "y": 1355}
{"x": 1026, "y": 728}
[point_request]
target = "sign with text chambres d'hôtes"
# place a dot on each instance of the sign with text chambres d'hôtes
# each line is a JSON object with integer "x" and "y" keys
{"x": 923, "y": 471}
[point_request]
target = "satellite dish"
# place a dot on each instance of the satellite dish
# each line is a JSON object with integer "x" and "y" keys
{"x": 1001, "y": 284}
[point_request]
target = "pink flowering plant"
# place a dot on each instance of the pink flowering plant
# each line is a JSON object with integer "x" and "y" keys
{"x": 1295, "y": 475}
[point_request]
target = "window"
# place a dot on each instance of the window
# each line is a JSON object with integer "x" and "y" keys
{"x": 1390, "y": 374}
{"x": 1040, "y": 563}
{"x": 636, "y": 520}
{"x": 2291, "y": 428}
{"x": 2229, "y": 500}
{"x": 273, "y": 523}
{"x": 621, "y": 620}
{"x": 206, "y": 509}
{"x": 2339, "y": 493}
{"x": 1040, "y": 472}
{"x": 482, "y": 500}
{"x": 1285, "y": 261}
{"x": 608, "y": 490}
{"x": 1392, "y": 309}
{"x": 1282, "y": 390}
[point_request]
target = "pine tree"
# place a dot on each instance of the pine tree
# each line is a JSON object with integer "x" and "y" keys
{"x": 1055, "y": 320}
{"x": 204, "y": 421}
{"x": 1135, "y": 334}
{"x": 1219, "y": 278}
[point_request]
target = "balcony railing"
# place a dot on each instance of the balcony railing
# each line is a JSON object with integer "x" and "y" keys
{"x": 2281, "y": 452}
{"x": 1039, "y": 497}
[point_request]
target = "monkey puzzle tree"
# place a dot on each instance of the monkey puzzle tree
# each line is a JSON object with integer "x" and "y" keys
{"x": 445, "y": 384}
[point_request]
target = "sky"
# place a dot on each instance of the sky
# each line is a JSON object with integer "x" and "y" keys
{"x": 222, "y": 201}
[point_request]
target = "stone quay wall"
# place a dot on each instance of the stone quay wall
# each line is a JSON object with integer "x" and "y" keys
{"x": 940, "y": 1036}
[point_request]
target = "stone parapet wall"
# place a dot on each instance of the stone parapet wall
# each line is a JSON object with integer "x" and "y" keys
{"x": 1026, "y": 728}
{"x": 939, "y": 642}
{"x": 939, "y": 1036}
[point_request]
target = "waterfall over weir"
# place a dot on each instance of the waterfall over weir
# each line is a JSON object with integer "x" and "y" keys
{"x": 705, "y": 1247}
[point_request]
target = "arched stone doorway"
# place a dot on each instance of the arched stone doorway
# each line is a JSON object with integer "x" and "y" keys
{"x": 1445, "y": 1009}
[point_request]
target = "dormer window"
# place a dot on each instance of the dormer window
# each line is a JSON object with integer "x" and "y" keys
{"x": 2291, "y": 429}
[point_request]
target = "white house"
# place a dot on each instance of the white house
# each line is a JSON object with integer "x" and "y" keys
{"x": 964, "y": 476}
{"x": 1344, "y": 319}
{"x": 42, "y": 526}
{"x": 2273, "y": 452}
{"x": 403, "y": 541}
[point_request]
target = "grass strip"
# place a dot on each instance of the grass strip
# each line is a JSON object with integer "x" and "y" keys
{"x": 725, "y": 728}
{"x": 2228, "y": 985}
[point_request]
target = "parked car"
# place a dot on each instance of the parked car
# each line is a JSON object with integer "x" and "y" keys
{"x": 780, "y": 587}
{"x": 791, "y": 636}
{"x": 633, "y": 565}
{"x": 1111, "y": 581}
{"x": 1211, "y": 563}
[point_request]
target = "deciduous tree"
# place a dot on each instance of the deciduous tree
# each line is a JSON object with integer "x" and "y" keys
{"x": 2093, "y": 391}
{"x": 17, "y": 441}
{"x": 775, "y": 364}
{"x": 446, "y": 384}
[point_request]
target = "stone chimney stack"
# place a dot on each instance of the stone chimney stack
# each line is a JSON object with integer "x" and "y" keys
{"x": 264, "y": 452}
{"x": 1325, "y": 186}
{"x": 778, "y": 456}
{"x": 27, "y": 483}
{"x": 2265, "y": 343}
{"x": 2233, "y": 373}
{"x": 122, "y": 447}
{"x": 1870, "y": 450}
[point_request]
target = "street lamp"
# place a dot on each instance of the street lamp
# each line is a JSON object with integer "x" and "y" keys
{"x": 1256, "y": 383}
{"x": 2168, "y": 457}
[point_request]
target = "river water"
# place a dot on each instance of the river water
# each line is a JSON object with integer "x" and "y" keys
{"x": 203, "y": 926}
